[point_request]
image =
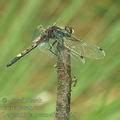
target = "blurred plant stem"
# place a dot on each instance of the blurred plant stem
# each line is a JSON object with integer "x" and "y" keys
{"x": 64, "y": 84}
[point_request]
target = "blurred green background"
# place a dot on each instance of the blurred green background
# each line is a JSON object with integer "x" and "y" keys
{"x": 34, "y": 78}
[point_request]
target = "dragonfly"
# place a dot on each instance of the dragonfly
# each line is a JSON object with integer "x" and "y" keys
{"x": 55, "y": 34}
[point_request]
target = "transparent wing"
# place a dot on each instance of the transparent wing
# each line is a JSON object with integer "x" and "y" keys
{"x": 83, "y": 49}
{"x": 39, "y": 31}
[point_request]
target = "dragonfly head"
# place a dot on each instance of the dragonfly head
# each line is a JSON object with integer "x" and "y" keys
{"x": 68, "y": 31}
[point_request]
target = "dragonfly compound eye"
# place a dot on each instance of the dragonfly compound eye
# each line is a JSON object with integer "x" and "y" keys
{"x": 69, "y": 29}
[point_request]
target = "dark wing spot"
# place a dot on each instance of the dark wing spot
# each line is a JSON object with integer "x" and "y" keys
{"x": 82, "y": 57}
{"x": 100, "y": 49}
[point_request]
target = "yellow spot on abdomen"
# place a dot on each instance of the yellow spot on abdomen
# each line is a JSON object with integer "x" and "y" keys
{"x": 19, "y": 55}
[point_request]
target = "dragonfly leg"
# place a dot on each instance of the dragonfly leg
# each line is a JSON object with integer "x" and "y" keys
{"x": 51, "y": 47}
{"x": 74, "y": 80}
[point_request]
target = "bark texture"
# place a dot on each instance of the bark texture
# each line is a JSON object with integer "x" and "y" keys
{"x": 64, "y": 84}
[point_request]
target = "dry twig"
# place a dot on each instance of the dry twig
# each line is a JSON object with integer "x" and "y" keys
{"x": 64, "y": 84}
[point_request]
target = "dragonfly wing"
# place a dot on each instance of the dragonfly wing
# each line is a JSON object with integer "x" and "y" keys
{"x": 69, "y": 44}
{"x": 84, "y": 49}
{"x": 93, "y": 51}
{"x": 39, "y": 31}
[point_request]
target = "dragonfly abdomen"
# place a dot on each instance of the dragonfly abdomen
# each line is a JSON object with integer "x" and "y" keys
{"x": 20, "y": 55}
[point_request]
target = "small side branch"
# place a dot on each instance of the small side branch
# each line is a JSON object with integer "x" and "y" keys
{"x": 64, "y": 84}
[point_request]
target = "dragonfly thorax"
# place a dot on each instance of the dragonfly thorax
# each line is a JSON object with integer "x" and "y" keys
{"x": 57, "y": 32}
